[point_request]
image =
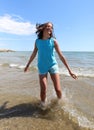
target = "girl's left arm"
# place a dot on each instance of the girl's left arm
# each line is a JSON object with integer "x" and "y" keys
{"x": 63, "y": 59}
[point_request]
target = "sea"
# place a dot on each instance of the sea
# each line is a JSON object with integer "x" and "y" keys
{"x": 78, "y": 95}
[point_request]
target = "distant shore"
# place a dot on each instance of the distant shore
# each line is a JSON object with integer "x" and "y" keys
{"x": 6, "y": 50}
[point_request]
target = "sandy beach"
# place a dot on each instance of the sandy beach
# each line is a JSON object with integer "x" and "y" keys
{"x": 22, "y": 113}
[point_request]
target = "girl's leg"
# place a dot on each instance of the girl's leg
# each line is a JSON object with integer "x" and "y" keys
{"x": 56, "y": 81}
{"x": 43, "y": 86}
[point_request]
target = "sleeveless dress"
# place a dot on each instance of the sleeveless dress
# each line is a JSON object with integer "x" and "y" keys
{"x": 46, "y": 56}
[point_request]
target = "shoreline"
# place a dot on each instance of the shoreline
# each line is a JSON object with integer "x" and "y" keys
{"x": 6, "y": 50}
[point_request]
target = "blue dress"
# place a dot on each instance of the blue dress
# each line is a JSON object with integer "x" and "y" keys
{"x": 46, "y": 55}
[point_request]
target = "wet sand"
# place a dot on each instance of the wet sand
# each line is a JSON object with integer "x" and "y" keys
{"x": 19, "y": 112}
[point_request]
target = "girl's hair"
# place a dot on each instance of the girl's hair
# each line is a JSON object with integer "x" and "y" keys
{"x": 40, "y": 28}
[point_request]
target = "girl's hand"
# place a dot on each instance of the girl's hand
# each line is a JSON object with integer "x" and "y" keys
{"x": 26, "y": 69}
{"x": 73, "y": 75}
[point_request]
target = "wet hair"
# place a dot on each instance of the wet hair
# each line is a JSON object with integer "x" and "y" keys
{"x": 40, "y": 28}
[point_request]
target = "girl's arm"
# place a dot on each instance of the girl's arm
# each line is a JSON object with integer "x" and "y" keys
{"x": 31, "y": 58}
{"x": 63, "y": 59}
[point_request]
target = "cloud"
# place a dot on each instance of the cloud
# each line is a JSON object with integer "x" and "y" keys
{"x": 15, "y": 25}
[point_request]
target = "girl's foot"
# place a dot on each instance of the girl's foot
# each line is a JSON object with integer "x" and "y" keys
{"x": 43, "y": 105}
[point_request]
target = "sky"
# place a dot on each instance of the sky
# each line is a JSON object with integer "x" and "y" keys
{"x": 73, "y": 22}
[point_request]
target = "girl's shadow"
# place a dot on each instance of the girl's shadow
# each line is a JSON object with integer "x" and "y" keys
{"x": 23, "y": 110}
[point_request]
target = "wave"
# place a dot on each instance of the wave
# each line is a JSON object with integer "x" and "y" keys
{"x": 75, "y": 114}
{"x": 12, "y": 65}
{"x": 17, "y": 66}
{"x": 80, "y": 72}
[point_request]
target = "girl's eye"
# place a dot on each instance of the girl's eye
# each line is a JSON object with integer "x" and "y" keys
{"x": 50, "y": 27}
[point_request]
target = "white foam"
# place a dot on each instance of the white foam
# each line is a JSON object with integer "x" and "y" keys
{"x": 17, "y": 66}
{"x": 21, "y": 66}
{"x": 13, "y": 65}
{"x": 74, "y": 114}
{"x": 81, "y": 72}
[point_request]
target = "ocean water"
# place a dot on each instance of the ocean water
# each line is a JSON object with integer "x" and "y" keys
{"x": 78, "y": 95}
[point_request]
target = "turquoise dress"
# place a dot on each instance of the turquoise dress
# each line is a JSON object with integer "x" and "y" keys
{"x": 46, "y": 55}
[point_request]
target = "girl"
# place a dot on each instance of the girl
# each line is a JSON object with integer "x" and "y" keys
{"x": 45, "y": 45}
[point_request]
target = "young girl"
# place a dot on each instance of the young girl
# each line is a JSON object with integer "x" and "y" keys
{"x": 45, "y": 45}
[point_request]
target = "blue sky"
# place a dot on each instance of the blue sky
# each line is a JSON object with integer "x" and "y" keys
{"x": 73, "y": 23}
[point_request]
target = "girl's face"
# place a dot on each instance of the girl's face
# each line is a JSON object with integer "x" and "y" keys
{"x": 48, "y": 29}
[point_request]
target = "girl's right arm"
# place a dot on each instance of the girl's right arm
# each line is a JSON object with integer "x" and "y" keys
{"x": 31, "y": 58}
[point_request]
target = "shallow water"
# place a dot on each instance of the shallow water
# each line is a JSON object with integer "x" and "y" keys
{"x": 21, "y": 90}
